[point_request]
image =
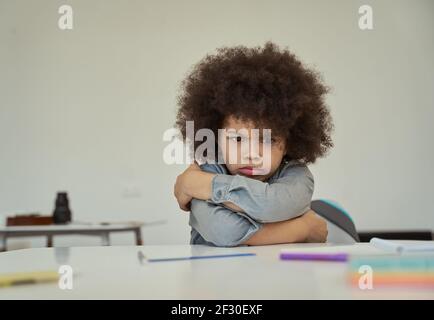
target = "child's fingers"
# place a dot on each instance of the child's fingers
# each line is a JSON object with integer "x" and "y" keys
{"x": 185, "y": 207}
{"x": 183, "y": 202}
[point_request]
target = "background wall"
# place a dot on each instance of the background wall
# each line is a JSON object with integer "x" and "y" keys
{"x": 84, "y": 110}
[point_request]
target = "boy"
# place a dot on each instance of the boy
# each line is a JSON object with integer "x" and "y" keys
{"x": 262, "y": 195}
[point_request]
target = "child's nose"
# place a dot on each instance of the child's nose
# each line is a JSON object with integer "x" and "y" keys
{"x": 254, "y": 156}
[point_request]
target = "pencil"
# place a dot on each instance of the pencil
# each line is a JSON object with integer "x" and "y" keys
{"x": 233, "y": 255}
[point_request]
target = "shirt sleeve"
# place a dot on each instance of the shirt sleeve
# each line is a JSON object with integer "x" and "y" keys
{"x": 287, "y": 197}
{"x": 218, "y": 225}
{"x": 221, "y": 226}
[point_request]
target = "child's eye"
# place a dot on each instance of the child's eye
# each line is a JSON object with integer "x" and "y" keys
{"x": 237, "y": 139}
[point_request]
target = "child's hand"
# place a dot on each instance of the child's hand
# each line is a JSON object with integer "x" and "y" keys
{"x": 192, "y": 183}
{"x": 183, "y": 200}
{"x": 317, "y": 227}
{"x": 180, "y": 189}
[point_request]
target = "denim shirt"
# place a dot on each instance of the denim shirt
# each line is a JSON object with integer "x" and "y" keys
{"x": 285, "y": 195}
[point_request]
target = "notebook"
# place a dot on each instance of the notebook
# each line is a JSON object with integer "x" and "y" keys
{"x": 403, "y": 246}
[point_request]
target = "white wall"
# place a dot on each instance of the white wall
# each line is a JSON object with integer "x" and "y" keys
{"x": 84, "y": 110}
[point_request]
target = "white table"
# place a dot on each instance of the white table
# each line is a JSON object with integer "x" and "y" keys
{"x": 117, "y": 273}
{"x": 49, "y": 231}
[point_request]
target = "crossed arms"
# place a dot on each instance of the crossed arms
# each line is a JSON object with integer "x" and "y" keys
{"x": 231, "y": 210}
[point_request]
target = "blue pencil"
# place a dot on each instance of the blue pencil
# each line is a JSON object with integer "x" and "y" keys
{"x": 203, "y": 257}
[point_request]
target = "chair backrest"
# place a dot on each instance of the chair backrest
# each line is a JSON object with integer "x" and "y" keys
{"x": 336, "y": 215}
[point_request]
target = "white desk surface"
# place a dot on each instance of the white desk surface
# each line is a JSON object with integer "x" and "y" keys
{"x": 116, "y": 273}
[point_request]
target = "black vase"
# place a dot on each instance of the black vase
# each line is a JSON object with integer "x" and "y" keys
{"x": 62, "y": 213}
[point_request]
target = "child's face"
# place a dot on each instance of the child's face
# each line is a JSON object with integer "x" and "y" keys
{"x": 259, "y": 162}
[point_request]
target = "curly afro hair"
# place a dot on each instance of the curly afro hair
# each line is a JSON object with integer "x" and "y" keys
{"x": 267, "y": 86}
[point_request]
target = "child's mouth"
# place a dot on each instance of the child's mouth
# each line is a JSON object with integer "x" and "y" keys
{"x": 250, "y": 171}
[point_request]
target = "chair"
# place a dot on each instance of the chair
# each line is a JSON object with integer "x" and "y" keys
{"x": 341, "y": 227}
